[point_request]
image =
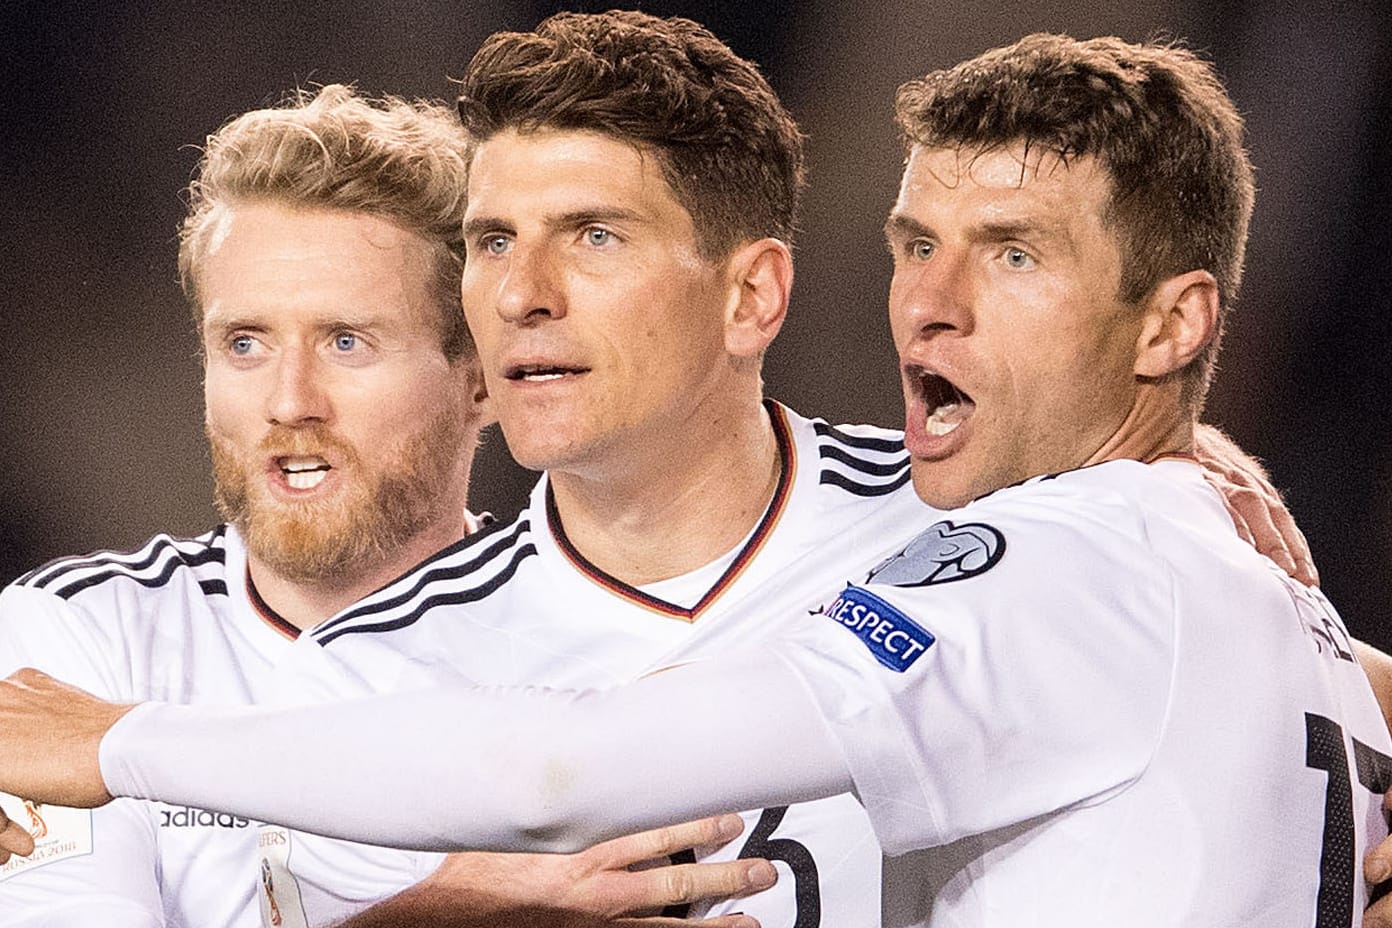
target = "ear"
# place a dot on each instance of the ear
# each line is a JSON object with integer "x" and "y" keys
{"x": 474, "y": 391}
{"x": 761, "y": 279}
{"x": 1181, "y": 317}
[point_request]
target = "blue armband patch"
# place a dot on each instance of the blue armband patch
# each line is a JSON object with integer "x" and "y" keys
{"x": 895, "y": 639}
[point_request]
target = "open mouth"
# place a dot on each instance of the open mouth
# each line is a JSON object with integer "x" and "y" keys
{"x": 541, "y": 373}
{"x": 948, "y": 407}
{"x": 303, "y": 472}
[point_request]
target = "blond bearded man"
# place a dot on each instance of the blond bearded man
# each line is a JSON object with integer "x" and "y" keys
{"x": 322, "y": 258}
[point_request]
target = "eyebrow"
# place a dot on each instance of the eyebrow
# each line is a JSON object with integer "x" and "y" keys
{"x": 900, "y": 226}
{"x": 221, "y": 323}
{"x": 1020, "y": 228}
{"x": 583, "y": 217}
{"x": 571, "y": 219}
{"x": 479, "y": 224}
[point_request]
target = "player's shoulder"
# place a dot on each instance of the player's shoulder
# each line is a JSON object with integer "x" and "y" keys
{"x": 470, "y": 571}
{"x": 1111, "y": 500}
{"x": 1067, "y": 532}
{"x": 855, "y": 461}
{"x": 163, "y": 563}
{"x": 1053, "y": 560}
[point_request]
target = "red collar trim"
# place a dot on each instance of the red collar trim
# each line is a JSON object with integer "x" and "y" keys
{"x": 267, "y": 614}
{"x": 787, "y": 454}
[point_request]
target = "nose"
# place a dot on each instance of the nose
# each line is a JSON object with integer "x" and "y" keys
{"x": 934, "y": 296}
{"x": 297, "y": 394}
{"x": 531, "y": 290}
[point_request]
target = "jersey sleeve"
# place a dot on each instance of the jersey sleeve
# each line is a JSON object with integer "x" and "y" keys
{"x": 996, "y": 670}
{"x": 38, "y": 629}
{"x": 1009, "y": 663}
{"x": 90, "y": 866}
{"x": 494, "y": 768}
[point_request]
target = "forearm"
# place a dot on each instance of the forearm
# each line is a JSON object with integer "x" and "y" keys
{"x": 501, "y": 769}
{"x": 422, "y": 905}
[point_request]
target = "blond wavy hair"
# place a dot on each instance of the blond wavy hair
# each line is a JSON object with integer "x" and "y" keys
{"x": 399, "y": 160}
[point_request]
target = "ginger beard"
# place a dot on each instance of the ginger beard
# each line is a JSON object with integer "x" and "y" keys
{"x": 381, "y": 507}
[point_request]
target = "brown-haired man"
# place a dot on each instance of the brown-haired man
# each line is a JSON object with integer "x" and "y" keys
{"x": 632, "y": 197}
{"x": 1052, "y": 713}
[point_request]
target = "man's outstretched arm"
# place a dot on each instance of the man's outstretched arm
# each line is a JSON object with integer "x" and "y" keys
{"x": 496, "y": 769}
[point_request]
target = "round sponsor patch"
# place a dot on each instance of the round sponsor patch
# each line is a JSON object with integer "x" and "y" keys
{"x": 942, "y": 553}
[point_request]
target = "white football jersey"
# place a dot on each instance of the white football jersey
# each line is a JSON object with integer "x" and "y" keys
{"x": 519, "y": 605}
{"x": 173, "y": 621}
{"x": 1097, "y": 706}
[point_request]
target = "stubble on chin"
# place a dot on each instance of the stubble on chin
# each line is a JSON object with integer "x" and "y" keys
{"x": 379, "y": 510}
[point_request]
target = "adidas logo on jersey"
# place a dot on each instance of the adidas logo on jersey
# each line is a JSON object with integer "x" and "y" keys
{"x": 200, "y": 818}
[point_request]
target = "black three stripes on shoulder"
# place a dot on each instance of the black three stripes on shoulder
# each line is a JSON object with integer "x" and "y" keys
{"x": 865, "y": 465}
{"x": 466, "y": 572}
{"x": 150, "y": 566}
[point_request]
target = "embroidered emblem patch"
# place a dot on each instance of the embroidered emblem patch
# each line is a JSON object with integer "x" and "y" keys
{"x": 895, "y": 639}
{"x": 279, "y": 896}
{"x": 58, "y": 832}
{"x": 943, "y": 553}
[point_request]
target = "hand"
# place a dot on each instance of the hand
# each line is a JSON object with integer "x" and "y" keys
{"x": 49, "y": 737}
{"x": 1254, "y": 503}
{"x": 13, "y": 839}
{"x": 611, "y": 884}
{"x": 1377, "y": 868}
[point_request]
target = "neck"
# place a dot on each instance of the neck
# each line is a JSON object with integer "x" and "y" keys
{"x": 305, "y": 603}
{"x": 668, "y": 514}
{"x": 1156, "y": 426}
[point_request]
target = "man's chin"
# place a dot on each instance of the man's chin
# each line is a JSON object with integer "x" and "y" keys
{"x": 302, "y": 560}
{"x": 309, "y": 547}
{"x": 947, "y": 483}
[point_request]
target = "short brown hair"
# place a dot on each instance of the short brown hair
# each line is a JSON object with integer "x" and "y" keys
{"x": 729, "y": 150}
{"x": 401, "y": 161}
{"x": 1154, "y": 115}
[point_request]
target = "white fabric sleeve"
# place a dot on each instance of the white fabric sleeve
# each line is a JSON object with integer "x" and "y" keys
{"x": 91, "y": 867}
{"x": 1042, "y": 671}
{"x": 493, "y": 768}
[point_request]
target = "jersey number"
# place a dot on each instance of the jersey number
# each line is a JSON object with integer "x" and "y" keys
{"x": 806, "y": 889}
{"x": 1324, "y": 750}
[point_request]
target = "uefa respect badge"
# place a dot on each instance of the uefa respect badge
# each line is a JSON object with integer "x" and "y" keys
{"x": 895, "y": 639}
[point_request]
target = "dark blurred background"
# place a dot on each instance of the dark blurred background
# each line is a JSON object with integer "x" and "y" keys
{"x": 100, "y": 428}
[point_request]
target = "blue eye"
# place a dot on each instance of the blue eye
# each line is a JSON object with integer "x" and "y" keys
{"x": 598, "y": 236}
{"x": 497, "y": 244}
{"x": 345, "y": 341}
{"x": 241, "y": 344}
{"x": 1016, "y": 258}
